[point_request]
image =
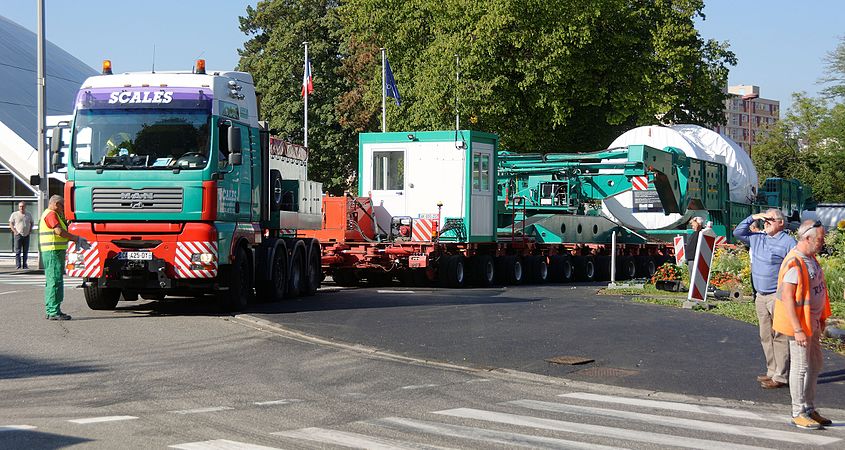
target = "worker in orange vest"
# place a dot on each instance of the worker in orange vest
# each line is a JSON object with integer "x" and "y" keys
{"x": 801, "y": 311}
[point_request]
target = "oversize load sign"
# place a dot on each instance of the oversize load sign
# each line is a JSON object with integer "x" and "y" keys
{"x": 279, "y": 147}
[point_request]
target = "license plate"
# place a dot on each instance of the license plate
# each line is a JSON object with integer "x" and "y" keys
{"x": 136, "y": 256}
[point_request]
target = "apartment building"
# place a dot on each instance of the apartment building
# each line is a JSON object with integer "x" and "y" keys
{"x": 748, "y": 115}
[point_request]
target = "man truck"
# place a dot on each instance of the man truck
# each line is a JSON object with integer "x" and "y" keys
{"x": 179, "y": 189}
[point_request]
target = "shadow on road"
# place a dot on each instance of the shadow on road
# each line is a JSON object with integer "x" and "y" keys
{"x": 21, "y": 367}
{"x": 32, "y": 439}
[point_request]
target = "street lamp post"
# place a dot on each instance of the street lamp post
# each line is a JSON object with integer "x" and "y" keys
{"x": 747, "y": 102}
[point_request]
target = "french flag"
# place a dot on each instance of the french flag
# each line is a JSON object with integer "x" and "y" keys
{"x": 307, "y": 82}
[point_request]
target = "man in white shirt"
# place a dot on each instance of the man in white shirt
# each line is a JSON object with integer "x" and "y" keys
{"x": 20, "y": 224}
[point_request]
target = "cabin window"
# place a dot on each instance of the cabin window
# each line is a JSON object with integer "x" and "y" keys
{"x": 389, "y": 170}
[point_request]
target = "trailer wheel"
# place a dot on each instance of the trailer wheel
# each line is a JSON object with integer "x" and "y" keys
{"x": 538, "y": 269}
{"x": 560, "y": 269}
{"x": 602, "y": 263}
{"x": 345, "y": 277}
{"x": 509, "y": 269}
{"x": 241, "y": 283}
{"x": 378, "y": 277}
{"x": 297, "y": 270}
{"x": 451, "y": 271}
{"x": 313, "y": 270}
{"x": 585, "y": 268}
{"x": 273, "y": 290}
{"x": 626, "y": 268}
{"x": 646, "y": 267}
{"x": 101, "y": 299}
{"x": 484, "y": 270}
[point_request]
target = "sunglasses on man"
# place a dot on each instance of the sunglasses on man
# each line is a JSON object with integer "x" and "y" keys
{"x": 818, "y": 224}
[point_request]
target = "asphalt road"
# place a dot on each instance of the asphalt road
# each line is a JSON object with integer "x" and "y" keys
{"x": 180, "y": 374}
{"x": 633, "y": 345}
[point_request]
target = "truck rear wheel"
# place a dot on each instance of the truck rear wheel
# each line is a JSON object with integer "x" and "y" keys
{"x": 560, "y": 269}
{"x": 646, "y": 266}
{"x": 484, "y": 270}
{"x": 538, "y": 269}
{"x": 297, "y": 271}
{"x": 101, "y": 299}
{"x": 273, "y": 290}
{"x": 626, "y": 268}
{"x": 313, "y": 270}
{"x": 585, "y": 268}
{"x": 451, "y": 271}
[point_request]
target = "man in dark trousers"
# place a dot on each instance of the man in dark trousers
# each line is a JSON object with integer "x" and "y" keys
{"x": 767, "y": 250}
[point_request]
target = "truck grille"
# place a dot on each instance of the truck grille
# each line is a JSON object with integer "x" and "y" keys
{"x": 166, "y": 200}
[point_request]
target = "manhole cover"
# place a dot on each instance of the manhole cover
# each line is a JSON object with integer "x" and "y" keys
{"x": 607, "y": 372}
{"x": 569, "y": 360}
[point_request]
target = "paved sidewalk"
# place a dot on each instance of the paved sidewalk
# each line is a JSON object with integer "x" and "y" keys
{"x": 7, "y": 264}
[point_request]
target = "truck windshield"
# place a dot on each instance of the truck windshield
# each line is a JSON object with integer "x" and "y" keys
{"x": 149, "y": 138}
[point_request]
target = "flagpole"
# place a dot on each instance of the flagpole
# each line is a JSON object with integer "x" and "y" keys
{"x": 305, "y": 89}
{"x": 383, "y": 91}
{"x": 457, "y": 83}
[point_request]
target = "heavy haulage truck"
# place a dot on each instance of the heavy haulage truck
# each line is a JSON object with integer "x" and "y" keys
{"x": 179, "y": 189}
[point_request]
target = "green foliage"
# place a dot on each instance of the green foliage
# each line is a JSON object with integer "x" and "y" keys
{"x": 671, "y": 272}
{"x": 835, "y": 71}
{"x": 545, "y": 75}
{"x": 736, "y": 262}
{"x": 834, "y": 274}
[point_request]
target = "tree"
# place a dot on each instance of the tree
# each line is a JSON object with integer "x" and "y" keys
{"x": 274, "y": 55}
{"x": 835, "y": 72}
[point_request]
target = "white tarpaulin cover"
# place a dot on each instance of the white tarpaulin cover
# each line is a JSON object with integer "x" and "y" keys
{"x": 696, "y": 142}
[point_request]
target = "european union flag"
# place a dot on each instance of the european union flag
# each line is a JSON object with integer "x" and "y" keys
{"x": 390, "y": 84}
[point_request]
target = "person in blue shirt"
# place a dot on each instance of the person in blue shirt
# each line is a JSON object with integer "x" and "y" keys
{"x": 767, "y": 250}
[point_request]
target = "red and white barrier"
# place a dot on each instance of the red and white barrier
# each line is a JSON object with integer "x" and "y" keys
{"x": 423, "y": 229}
{"x": 91, "y": 256}
{"x": 639, "y": 183}
{"x": 680, "y": 250}
{"x": 700, "y": 276}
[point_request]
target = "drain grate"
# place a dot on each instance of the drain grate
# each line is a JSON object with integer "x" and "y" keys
{"x": 607, "y": 372}
{"x": 569, "y": 360}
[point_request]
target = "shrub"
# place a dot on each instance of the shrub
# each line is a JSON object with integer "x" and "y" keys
{"x": 736, "y": 262}
{"x": 834, "y": 275}
{"x": 724, "y": 280}
{"x": 669, "y": 271}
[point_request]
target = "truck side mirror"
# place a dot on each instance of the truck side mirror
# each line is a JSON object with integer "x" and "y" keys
{"x": 56, "y": 150}
{"x": 234, "y": 137}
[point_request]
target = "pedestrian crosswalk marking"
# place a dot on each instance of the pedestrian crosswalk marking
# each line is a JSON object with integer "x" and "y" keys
{"x": 221, "y": 444}
{"x": 481, "y": 434}
{"x": 677, "y": 422}
{"x": 594, "y": 430}
{"x": 203, "y": 410}
{"x": 277, "y": 402}
{"x": 15, "y": 428}
{"x": 347, "y": 439}
{"x": 101, "y": 419}
{"x": 673, "y": 406}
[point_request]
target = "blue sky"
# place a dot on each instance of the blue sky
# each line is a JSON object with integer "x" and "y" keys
{"x": 780, "y": 44}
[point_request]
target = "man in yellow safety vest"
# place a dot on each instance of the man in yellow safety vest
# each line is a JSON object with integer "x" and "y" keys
{"x": 53, "y": 238}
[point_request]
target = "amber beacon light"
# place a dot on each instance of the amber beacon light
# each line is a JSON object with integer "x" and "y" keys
{"x": 107, "y": 67}
{"x": 200, "y": 66}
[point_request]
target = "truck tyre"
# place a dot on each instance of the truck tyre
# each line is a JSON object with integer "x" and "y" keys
{"x": 346, "y": 277}
{"x": 537, "y": 268}
{"x": 646, "y": 266}
{"x": 602, "y": 263}
{"x": 379, "y": 278}
{"x": 101, "y": 299}
{"x": 313, "y": 270}
{"x": 509, "y": 269}
{"x": 626, "y": 268}
{"x": 297, "y": 270}
{"x": 484, "y": 270}
{"x": 273, "y": 290}
{"x": 450, "y": 271}
{"x": 560, "y": 269}
{"x": 585, "y": 268}
{"x": 241, "y": 283}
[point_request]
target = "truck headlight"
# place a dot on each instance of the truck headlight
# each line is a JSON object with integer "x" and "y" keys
{"x": 202, "y": 258}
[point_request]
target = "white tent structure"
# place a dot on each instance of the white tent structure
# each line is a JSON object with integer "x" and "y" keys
{"x": 19, "y": 114}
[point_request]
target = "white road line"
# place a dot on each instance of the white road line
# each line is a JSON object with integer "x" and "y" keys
{"x": 673, "y": 406}
{"x": 347, "y": 439}
{"x": 388, "y": 291}
{"x": 221, "y": 444}
{"x": 202, "y": 410}
{"x": 595, "y": 430}
{"x": 101, "y": 419}
{"x": 9, "y": 292}
{"x": 16, "y": 428}
{"x": 480, "y": 434}
{"x": 419, "y": 386}
{"x": 277, "y": 402}
{"x": 677, "y": 422}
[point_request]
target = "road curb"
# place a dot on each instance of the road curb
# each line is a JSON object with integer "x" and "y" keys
{"x": 511, "y": 374}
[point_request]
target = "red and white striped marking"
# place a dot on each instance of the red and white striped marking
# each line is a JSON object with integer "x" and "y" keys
{"x": 182, "y": 263}
{"x": 680, "y": 256}
{"x": 700, "y": 276}
{"x": 639, "y": 183}
{"x": 92, "y": 267}
{"x": 422, "y": 229}
{"x": 721, "y": 240}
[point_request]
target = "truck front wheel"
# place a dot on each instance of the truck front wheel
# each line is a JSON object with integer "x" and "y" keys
{"x": 241, "y": 283}
{"x": 101, "y": 299}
